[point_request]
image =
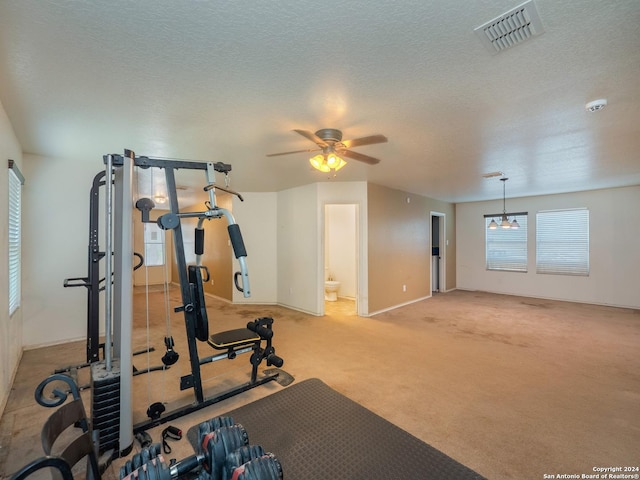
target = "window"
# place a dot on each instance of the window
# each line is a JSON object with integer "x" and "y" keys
{"x": 506, "y": 248}
{"x": 16, "y": 180}
{"x": 562, "y": 242}
{"x": 153, "y": 245}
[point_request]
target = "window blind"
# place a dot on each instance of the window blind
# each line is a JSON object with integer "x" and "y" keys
{"x": 14, "y": 260}
{"x": 562, "y": 242}
{"x": 153, "y": 245}
{"x": 506, "y": 249}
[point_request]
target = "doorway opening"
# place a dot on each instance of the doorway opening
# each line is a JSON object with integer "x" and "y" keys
{"x": 438, "y": 252}
{"x": 340, "y": 285}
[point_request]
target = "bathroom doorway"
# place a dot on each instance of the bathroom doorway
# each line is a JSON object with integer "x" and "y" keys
{"x": 341, "y": 259}
{"x": 438, "y": 251}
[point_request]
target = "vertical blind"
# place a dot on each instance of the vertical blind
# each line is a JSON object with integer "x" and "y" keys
{"x": 153, "y": 245}
{"x": 562, "y": 242}
{"x": 15, "y": 200}
{"x": 506, "y": 248}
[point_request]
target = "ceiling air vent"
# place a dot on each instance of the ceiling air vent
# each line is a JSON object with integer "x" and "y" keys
{"x": 511, "y": 28}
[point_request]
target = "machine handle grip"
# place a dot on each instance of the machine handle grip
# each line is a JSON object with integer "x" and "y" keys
{"x": 241, "y": 254}
{"x": 199, "y": 241}
{"x": 235, "y": 280}
{"x": 76, "y": 282}
{"x": 206, "y": 277}
{"x": 140, "y": 262}
{"x": 236, "y": 240}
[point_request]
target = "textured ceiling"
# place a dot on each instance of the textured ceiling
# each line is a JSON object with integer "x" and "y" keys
{"x": 228, "y": 81}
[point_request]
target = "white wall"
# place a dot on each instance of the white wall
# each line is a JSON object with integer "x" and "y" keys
{"x": 10, "y": 327}
{"x": 299, "y": 249}
{"x": 55, "y": 242}
{"x": 257, "y": 217}
{"x": 614, "y": 220}
{"x": 340, "y": 247}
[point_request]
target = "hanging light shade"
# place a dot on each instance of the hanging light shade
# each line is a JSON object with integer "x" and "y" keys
{"x": 319, "y": 163}
{"x": 505, "y": 223}
{"x": 493, "y": 225}
{"x": 327, "y": 161}
{"x": 515, "y": 225}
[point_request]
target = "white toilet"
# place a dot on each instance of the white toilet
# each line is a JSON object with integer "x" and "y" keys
{"x": 331, "y": 288}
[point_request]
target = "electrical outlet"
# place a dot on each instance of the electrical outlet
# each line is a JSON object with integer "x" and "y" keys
{"x": 212, "y": 281}
{"x": 404, "y": 288}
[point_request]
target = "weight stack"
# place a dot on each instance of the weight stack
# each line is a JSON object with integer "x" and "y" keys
{"x": 105, "y": 404}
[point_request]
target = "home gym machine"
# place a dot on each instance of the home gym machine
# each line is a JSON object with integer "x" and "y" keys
{"x": 256, "y": 338}
{"x": 111, "y": 378}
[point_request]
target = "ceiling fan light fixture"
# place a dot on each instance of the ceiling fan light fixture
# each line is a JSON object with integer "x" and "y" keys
{"x": 325, "y": 162}
{"x": 330, "y": 139}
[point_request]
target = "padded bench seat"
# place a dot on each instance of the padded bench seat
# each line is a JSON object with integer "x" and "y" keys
{"x": 233, "y": 338}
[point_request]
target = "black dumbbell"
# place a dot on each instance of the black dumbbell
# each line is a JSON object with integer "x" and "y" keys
{"x": 265, "y": 467}
{"x": 220, "y": 443}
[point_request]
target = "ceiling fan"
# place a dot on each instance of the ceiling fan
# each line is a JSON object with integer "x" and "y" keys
{"x": 329, "y": 141}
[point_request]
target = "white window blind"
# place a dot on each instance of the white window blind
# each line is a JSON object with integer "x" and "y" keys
{"x": 562, "y": 242}
{"x": 153, "y": 245}
{"x": 15, "y": 199}
{"x": 506, "y": 249}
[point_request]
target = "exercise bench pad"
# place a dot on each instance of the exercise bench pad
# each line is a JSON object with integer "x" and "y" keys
{"x": 233, "y": 338}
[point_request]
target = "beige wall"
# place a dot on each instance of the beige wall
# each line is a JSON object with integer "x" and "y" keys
{"x": 399, "y": 246}
{"x": 10, "y": 328}
{"x": 218, "y": 253}
{"x": 614, "y": 229}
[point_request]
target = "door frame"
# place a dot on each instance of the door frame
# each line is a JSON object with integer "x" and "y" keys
{"x": 321, "y": 257}
{"x": 442, "y": 242}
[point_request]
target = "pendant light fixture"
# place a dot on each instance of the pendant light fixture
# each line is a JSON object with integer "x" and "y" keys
{"x": 504, "y": 222}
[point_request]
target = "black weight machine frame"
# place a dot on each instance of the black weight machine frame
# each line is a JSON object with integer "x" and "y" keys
{"x": 94, "y": 285}
{"x": 191, "y": 307}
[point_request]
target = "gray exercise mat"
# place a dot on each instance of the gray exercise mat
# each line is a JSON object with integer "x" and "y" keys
{"x": 319, "y": 434}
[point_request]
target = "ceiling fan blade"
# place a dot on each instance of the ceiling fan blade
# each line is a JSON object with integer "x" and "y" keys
{"x": 313, "y": 137}
{"x": 295, "y": 151}
{"x": 359, "y": 156}
{"x": 370, "y": 140}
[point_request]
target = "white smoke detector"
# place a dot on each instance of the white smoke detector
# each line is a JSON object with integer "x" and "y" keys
{"x": 596, "y": 105}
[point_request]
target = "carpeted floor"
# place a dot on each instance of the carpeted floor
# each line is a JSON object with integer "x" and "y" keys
{"x": 511, "y": 387}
